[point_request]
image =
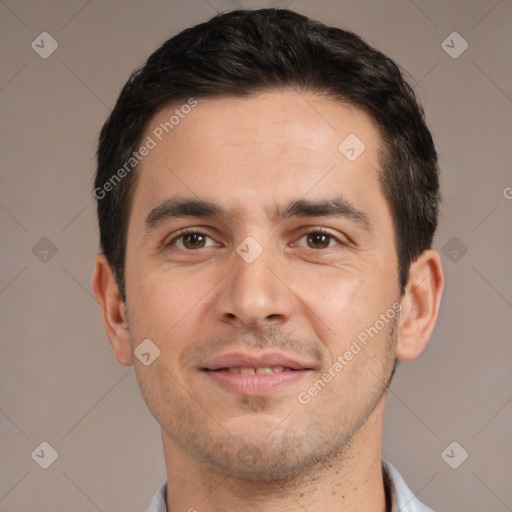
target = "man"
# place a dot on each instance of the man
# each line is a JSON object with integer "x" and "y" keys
{"x": 267, "y": 198}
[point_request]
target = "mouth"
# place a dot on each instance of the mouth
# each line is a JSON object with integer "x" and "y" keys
{"x": 246, "y": 374}
{"x": 249, "y": 370}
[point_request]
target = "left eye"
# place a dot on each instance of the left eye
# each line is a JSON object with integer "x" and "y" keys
{"x": 192, "y": 240}
{"x": 319, "y": 239}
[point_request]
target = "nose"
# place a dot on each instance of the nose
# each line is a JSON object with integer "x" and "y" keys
{"x": 255, "y": 294}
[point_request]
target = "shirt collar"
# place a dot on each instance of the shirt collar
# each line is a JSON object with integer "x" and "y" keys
{"x": 402, "y": 498}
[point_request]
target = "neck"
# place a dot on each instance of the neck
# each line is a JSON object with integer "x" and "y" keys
{"x": 348, "y": 482}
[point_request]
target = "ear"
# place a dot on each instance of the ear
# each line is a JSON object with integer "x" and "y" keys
{"x": 113, "y": 310}
{"x": 420, "y": 303}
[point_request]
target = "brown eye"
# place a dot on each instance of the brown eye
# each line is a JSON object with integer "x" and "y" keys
{"x": 318, "y": 240}
{"x": 192, "y": 240}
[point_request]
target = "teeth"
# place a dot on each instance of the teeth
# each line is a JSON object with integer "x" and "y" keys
{"x": 264, "y": 370}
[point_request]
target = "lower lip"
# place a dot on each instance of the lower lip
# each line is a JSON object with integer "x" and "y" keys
{"x": 255, "y": 384}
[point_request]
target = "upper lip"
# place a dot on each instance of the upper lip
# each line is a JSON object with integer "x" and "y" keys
{"x": 246, "y": 360}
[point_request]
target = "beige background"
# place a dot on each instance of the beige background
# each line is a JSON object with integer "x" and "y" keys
{"x": 59, "y": 382}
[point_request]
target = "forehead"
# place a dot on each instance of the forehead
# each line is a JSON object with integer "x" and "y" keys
{"x": 256, "y": 152}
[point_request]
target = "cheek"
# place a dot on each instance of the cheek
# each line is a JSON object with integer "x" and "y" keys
{"x": 340, "y": 305}
{"x": 164, "y": 301}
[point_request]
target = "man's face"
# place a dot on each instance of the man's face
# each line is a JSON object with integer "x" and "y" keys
{"x": 289, "y": 300}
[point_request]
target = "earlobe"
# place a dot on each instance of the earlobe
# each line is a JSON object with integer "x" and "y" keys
{"x": 420, "y": 303}
{"x": 113, "y": 310}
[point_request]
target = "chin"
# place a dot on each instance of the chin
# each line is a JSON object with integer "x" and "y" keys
{"x": 280, "y": 456}
{"x": 254, "y": 464}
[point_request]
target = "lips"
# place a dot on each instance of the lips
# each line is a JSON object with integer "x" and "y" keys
{"x": 262, "y": 370}
{"x": 241, "y": 360}
{"x": 247, "y": 374}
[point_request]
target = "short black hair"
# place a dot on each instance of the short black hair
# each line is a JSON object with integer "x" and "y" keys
{"x": 244, "y": 52}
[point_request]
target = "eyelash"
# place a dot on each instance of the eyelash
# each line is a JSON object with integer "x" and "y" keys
{"x": 193, "y": 231}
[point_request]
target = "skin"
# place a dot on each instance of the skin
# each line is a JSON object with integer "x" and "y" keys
{"x": 197, "y": 297}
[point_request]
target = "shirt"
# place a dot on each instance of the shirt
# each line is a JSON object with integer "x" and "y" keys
{"x": 402, "y": 498}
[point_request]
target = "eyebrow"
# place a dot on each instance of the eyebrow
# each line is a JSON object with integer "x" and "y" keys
{"x": 337, "y": 207}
